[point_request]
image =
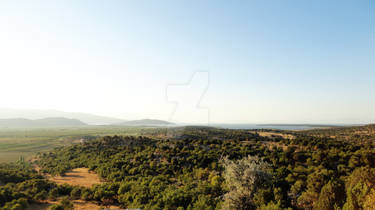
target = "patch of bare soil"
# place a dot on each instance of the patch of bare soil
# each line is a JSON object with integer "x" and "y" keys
{"x": 78, "y": 205}
{"x": 77, "y": 177}
{"x": 275, "y": 134}
{"x": 84, "y": 205}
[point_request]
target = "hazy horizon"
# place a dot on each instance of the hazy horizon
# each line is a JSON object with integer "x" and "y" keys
{"x": 193, "y": 62}
{"x": 37, "y": 114}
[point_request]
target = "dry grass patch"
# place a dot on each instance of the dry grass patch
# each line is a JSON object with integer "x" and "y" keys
{"x": 77, "y": 177}
{"x": 271, "y": 134}
{"x": 84, "y": 205}
{"x": 78, "y": 205}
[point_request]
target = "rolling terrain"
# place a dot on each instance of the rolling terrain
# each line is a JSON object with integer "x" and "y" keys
{"x": 192, "y": 167}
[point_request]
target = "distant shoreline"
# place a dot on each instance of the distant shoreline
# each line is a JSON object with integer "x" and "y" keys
{"x": 302, "y": 125}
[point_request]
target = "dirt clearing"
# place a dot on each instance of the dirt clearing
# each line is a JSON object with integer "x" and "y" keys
{"x": 274, "y": 134}
{"x": 78, "y": 205}
{"x": 77, "y": 177}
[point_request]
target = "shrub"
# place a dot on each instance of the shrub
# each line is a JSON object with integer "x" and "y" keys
{"x": 244, "y": 178}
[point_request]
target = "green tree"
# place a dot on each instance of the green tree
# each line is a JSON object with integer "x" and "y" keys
{"x": 359, "y": 186}
{"x": 332, "y": 196}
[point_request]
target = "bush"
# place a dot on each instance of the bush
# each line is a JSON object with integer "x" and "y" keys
{"x": 75, "y": 193}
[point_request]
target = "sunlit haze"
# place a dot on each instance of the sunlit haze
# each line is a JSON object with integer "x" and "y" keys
{"x": 261, "y": 61}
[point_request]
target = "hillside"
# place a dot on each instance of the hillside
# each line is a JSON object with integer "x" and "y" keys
{"x": 197, "y": 167}
{"x": 355, "y": 134}
{"x": 210, "y": 168}
{"x": 145, "y": 122}
{"x": 46, "y": 122}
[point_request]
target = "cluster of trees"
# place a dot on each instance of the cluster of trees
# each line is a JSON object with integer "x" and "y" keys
{"x": 20, "y": 185}
{"x": 65, "y": 204}
{"x": 209, "y": 168}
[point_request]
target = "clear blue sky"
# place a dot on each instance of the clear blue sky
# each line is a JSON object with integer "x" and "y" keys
{"x": 268, "y": 61}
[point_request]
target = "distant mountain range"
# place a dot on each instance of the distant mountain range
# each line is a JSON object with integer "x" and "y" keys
{"x": 42, "y": 123}
{"x": 34, "y": 114}
{"x": 65, "y": 122}
{"x": 19, "y": 118}
{"x": 145, "y": 122}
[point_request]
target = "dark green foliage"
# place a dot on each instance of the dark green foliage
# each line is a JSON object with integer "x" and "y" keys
{"x": 22, "y": 185}
{"x": 359, "y": 186}
{"x": 332, "y": 195}
{"x": 16, "y": 173}
{"x": 76, "y": 193}
{"x": 65, "y": 204}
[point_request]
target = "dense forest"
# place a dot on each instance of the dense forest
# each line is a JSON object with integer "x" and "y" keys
{"x": 207, "y": 168}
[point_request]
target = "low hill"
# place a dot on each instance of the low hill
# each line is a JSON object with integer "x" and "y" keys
{"x": 194, "y": 169}
{"x": 146, "y": 122}
{"x": 46, "y": 122}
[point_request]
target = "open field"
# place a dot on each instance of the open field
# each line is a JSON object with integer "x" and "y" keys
{"x": 77, "y": 177}
{"x": 27, "y": 142}
{"x": 271, "y": 134}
